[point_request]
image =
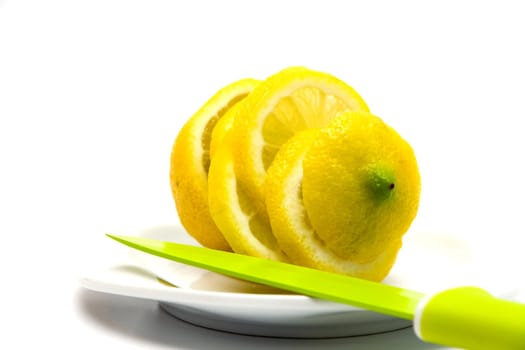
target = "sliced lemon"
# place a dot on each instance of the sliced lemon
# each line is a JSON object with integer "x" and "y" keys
{"x": 292, "y": 100}
{"x": 190, "y": 161}
{"x": 361, "y": 186}
{"x": 246, "y": 230}
{"x": 291, "y": 224}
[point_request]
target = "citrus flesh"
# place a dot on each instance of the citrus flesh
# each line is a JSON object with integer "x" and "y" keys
{"x": 190, "y": 161}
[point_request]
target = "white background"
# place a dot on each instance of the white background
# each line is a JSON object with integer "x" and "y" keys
{"x": 92, "y": 94}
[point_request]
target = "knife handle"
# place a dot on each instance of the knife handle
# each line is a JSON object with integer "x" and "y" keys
{"x": 471, "y": 318}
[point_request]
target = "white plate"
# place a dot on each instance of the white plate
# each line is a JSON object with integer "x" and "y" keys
{"x": 427, "y": 262}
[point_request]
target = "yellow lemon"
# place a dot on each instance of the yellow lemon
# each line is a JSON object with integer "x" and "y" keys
{"x": 340, "y": 199}
{"x": 291, "y": 224}
{"x": 190, "y": 161}
{"x": 361, "y": 186}
{"x": 295, "y": 168}
{"x": 292, "y": 100}
{"x": 247, "y": 230}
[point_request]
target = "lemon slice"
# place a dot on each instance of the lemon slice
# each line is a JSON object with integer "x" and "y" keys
{"x": 361, "y": 186}
{"x": 190, "y": 161}
{"x": 344, "y": 202}
{"x": 247, "y": 230}
{"x": 291, "y": 224}
{"x": 292, "y": 100}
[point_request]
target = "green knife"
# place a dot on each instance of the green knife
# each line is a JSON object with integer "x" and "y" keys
{"x": 465, "y": 317}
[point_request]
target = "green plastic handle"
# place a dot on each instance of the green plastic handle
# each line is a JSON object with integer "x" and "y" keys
{"x": 470, "y": 318}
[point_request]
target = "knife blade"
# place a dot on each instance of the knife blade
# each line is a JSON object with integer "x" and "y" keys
{"x": 467, "y": 317}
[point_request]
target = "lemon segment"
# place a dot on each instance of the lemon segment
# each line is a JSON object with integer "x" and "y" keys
{"x": 190, "y": 161}
{"x": 361, "y": 186}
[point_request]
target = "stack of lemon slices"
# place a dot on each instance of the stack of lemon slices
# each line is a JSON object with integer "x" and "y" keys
{"x": 296, "y": 168}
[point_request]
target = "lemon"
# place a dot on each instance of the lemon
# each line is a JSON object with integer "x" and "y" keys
{"x": 295, "y": 168}
{"x": 287, "y": 102}
{"x": 361, "y": 186}
{"x": 294, "y": 99}
{"x": 246, "y": 230}
{"x": 291, "y": 223}
{"x": 190, "y": 161}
